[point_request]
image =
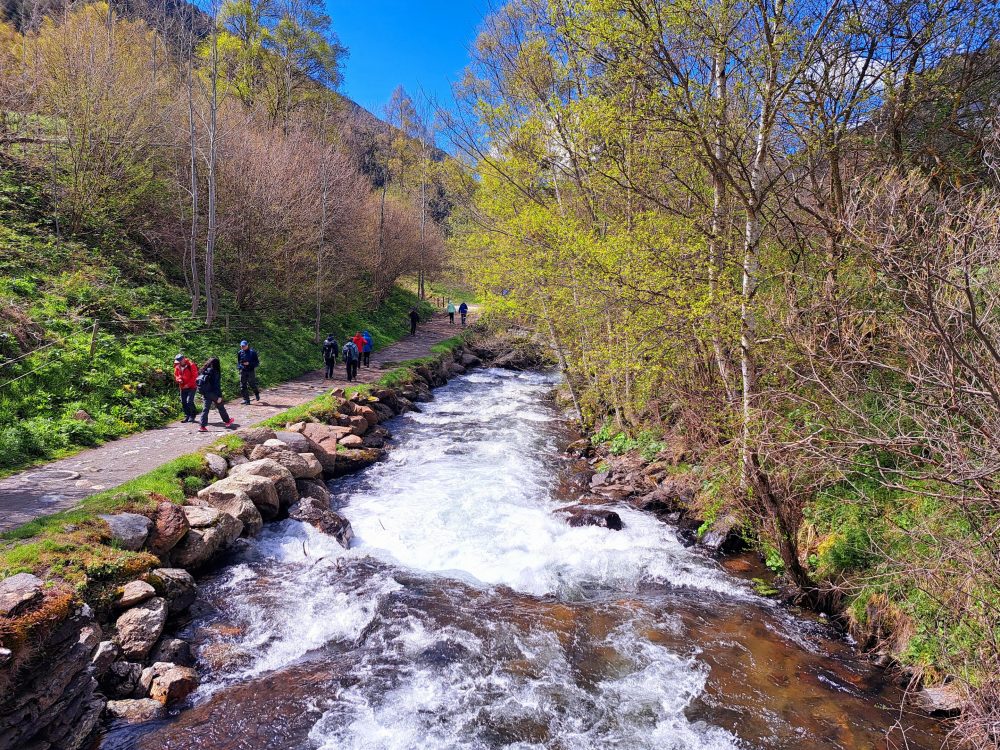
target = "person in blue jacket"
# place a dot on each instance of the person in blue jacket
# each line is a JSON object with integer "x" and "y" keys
{"x": 463, "y": 310}
{"x": 210, "y": 388}
{"x": 247, "y": 361}
{"x": 366, "y": 351}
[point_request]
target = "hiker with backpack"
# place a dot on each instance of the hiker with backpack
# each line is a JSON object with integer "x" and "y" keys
{"x": 366, "y": 351}
{"x": 186, "y": 376}
{"x": 210, "y": 388}
{"x": 351, "y": 356}
{"x": 330, "y": 347}
{"x": 451, "y": 313}
{"x": 463, "y": 310}
{"x": 247, "y": 362}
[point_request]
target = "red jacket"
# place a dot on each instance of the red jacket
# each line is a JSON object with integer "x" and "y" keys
{"x": 186, "y": 374}
{"x": 359, "y": 341}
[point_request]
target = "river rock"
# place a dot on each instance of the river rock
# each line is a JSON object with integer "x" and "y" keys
{"x": 582, "y": 515}
{"x": 174, "y": 685}
{"x": 122, "y": 679}
{"x": 175, "y": 651}
{"x": 297, "y": 466}
{"x": 151, "y": 672}
{"x": 135, "y": 592}
{"x": 135, "y": 711}
{"x": 200, "y": 517}
{"x": 358, "y": 425}
{"x": 261, "y": 490}
{"x": 314, "y": 468}
{"x": 352, "y": 441}
{"x": 318, "y": 514}
{"x": 107, "y": 653}
{"x": 281, "y": 478}
{"x": 295, "y": 440}
{"x": 140, "y": 627}
{"x": 176, "y": 585}
{"x": 941, "y": 700}
{"x": 217, "y": 465}
{"x": 377, "y": 437}
{"x": 18, "y": 593}
{"x": 252, "y": 436}
{"x": 128, "y": 530}
{"x": 723, "y": 535}
{"x": 470, "y": 360}
{"x": 384, "y": 411}
{"x": 599, "y": 479}
{"x": 202, "y": 544}
{"x": 370, "y": 415}
{"x": 313, "y": 488}
{"x": 236, "y": 503}
{"x": 350, "y": 461}
{"x": 169, "y": 527}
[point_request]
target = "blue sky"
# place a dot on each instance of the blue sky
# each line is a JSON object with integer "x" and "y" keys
{"x": 421, "y": 44}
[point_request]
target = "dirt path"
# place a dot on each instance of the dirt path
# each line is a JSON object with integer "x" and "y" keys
{"x": 61, "y": 484}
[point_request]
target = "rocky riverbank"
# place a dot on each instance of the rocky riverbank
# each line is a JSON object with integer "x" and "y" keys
{"x": 70, "y": 656}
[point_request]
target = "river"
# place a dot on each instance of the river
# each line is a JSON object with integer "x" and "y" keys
{"x": 467, "y": 615}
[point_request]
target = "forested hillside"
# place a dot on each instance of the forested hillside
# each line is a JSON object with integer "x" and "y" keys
{"x": 770, "y": 233}
{"x": 173, "y": 180}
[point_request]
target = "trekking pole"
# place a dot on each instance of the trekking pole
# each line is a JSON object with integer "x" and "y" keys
{"x": 93, "y": 338}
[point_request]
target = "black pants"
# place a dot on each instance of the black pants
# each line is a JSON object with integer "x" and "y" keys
{"x": 248, "y": 382}
{"x": 352, "y": 368}
{"x": 366, "y": 358}
{"x": 451, "y": 318}
{"x": 209, "y": 402}
{"x": 187, "y": 402}
{"x": 330, "y": 364}
{"x": 463, "y": 320}
{"x": 413, "y": 327}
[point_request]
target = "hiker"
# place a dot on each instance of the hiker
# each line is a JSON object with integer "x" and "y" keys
{"x": 366, "y": 352}
{"x": 330, "y": 347}
{"x": 463, "y": 310}
{"x": 414, "y": 317}
{"x": 451, "y": 312}
{"x": 247, "y": 362}
{"x": 210, "y": 388}
{"x": 186, "y": 375}
{"x": 351, "y": 355}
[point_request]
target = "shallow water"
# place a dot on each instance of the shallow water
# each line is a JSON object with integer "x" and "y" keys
{"x": 467, "y": 615}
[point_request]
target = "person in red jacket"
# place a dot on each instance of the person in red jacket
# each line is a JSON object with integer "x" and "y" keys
{"x": 359, "y": 341}
{"x": 186, "y": 375}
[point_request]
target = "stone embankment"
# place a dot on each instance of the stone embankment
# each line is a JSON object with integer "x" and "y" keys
{"x": 66, "y": 661}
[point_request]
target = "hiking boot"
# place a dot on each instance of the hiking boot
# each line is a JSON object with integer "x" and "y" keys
{"x": 230, "y": 423}
{"x": 202, "y": 429}
{"x": 246, "y": 403}
{"x": 256, "y": 397}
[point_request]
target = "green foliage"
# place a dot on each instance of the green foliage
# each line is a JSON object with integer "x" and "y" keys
{"x": 620, "y": 443}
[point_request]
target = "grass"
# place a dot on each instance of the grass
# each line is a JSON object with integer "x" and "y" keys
{"x": 53, "y": 288}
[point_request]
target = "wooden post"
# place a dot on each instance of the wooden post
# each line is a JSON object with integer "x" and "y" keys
{"x": 227, "y": 322}
{"x": 93, "y": 339}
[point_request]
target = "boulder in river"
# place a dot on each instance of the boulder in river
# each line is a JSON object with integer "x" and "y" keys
{"x": 128, "y": 530}
{"x": 723, "y": 535}
{"x": 376, "y": 437}
{"x": 280, "y": 477}
{"x": 175, "y": 651}
{"x": 202, "y": 544}
{"x": 174, "y": 685}
{"x": 261, "y": 491}
{"x": 140, "y": 627}
{"x": 318, "y": 514}
{"x": 584, "y": 515}
{"x": 237, "y": 503}
{"x": 169, "y": 527}
{"x": 135, "y": 592}
{"x": 135, "y": 711}
{"x": 353, "y": 460}
{"x": 352, "y": 441}
{"x": 941, "y": 700}
{"x": 313, "y": 488}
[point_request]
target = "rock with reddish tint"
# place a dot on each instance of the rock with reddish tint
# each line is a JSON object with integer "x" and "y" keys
{"x": 350, "y": 461}
{"x": 583, "y": 515}
{"x": 169, "y": 527}
{"x": 174, "y": 685}
{"x": 135, "y": 592}
{"x": 128, "y": 530}
{"x": 201, "y": 545}
{"x": 135, "y": 711}
{"x": 236, "y": 503}
{"x": 297, "y": 466}
{"x": 261, "y": 490}
{"x": 352, "y": 441}
{"x": 217, "y": 465}
{"x": 370, "y": 415}
{"x": 18, "y": 593}
{"x": 175, "y": 585}
{"x": 358, "y": 425}
{"x": 252, "y": 436}
{"x": 141, "y": 627}
{"x": 318, "y": 514}
{"x": 151, "y": 672}
{"x": 280, "y": 477}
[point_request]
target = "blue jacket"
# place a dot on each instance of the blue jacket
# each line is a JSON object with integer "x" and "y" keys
{"x": 463, "y": 308}
{"x": 369, "y": 342}
{"x": 247, "y": 359}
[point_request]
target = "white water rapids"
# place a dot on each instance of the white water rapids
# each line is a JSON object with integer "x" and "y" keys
{"x": 467, "y": 615}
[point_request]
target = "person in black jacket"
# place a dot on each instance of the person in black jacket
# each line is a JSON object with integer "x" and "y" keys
{"x": 247, "y": 361}
{"x": 414, "y": 318}
{"x": 351, "y": 357}
{"x": 330, "y": 347}
{"x": 210, "y": 387}
{"x": 463, "y": 310}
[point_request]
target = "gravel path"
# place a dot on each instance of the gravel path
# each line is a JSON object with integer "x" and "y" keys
{"x": 61, "y": 484}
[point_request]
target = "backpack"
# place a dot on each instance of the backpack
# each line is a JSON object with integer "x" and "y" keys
{"x": 350, "y": 351}
{"x": 329, "y": 349}
{"x": 202, "y": 381}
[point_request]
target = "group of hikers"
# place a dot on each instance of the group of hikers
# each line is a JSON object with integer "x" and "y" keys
{"x": 357, "y": 351}
{"x": 207, "y": 379}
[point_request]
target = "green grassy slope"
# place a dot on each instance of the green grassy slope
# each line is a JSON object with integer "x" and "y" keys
{"x": 54, "y": 288}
